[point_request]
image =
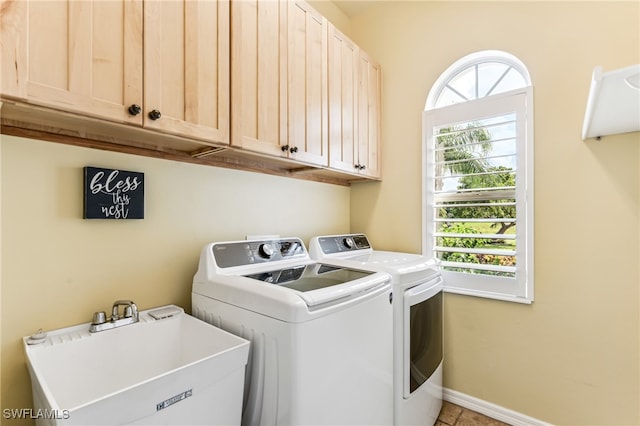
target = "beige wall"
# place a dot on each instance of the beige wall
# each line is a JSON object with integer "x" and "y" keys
{"x": 572, "y": 357}
{"x": 329, "y": 10}
{"x": 57, "y": 269}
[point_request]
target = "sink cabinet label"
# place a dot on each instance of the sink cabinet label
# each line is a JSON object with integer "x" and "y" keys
{"x": 113, "y": 194}
{"x": 169, "y": 402}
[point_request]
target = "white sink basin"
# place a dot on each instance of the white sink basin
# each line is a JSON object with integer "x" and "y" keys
{"x": 176, "y": 370}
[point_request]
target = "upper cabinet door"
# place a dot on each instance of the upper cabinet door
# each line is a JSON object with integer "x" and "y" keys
{"x": 279, "y": 87}
{"x": 78, "y": 56}
{"x": 307, "y": 84}
{"x": 343, "y": 101}
{"x": 369, "y": 116}
{"x": 354, "y": 107}
{"x": 186, "y": 60}
{"x": 259, "y": 70}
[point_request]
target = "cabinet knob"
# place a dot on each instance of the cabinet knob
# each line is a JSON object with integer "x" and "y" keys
{"x": 362, "y": 167}
{"x": 285, "y": 148}
{"x": 293, "y": 149}
{"x": 154, "y": 114}
{"x": 135, "y": 109}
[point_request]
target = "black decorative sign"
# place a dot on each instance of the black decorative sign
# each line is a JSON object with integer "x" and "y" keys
{"x": 113, "y": 194}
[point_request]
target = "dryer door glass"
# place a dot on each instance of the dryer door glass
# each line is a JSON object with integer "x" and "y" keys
{"x": 425, "y": 353}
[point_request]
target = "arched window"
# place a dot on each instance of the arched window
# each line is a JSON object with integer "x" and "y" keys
{"x": 478, "y": 176}
{"x": 476, "y": 76}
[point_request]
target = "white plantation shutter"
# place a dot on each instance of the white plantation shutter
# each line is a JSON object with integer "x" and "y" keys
{"x": 478, "y": 205}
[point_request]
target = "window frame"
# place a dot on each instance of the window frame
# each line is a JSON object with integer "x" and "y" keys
{"x": 520, "y": 101}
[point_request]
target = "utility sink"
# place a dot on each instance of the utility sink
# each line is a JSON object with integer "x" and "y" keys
{"x": 174, "y": 370}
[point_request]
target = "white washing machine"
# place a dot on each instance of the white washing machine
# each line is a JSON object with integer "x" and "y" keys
{"x": 417, "y": 320}
{"x": 321, "y": 334}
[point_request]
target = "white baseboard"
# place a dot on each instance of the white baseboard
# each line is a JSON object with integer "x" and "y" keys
{"x": 489, "y": 409}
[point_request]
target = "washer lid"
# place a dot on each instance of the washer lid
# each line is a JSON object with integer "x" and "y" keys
{"x": 320, "y": 283}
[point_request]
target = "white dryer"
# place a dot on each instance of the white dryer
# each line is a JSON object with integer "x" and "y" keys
{"x": 417, "y": 320}
{"x": 321, "y": 334}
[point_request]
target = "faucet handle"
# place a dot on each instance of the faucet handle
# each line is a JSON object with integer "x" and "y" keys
{"x": 134, "y": 310}
{"x": 99, "y": 318}
{"x": 128, "y": 311}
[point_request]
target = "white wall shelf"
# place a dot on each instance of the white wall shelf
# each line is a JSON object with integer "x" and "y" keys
{"x": 613, "y": 105}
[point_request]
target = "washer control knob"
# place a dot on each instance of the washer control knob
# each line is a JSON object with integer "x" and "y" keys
{"x": 266, "y": 250}
{"x": 348, "y": 242}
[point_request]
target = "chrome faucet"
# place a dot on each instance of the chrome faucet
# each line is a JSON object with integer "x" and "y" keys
{"x": 129, "y": 316}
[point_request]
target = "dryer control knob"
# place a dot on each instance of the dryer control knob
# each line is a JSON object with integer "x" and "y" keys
{"x": 266, "y": 250}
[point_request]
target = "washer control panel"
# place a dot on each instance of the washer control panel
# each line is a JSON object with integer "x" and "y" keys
{"x": 343, "y": 243}
{"x": 240, "y": 253}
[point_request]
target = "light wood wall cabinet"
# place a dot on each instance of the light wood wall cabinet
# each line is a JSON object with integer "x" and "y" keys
{"x": 267, "y": 86}
{"x": 354, "y": 107}
{"x": 86, "y": 57}
{"x": 186, "y": 63}
{"x": 343, "y": 102}
{"x": 369, "y": 116}
{"x": 78, "y": 56}
{"x": 279, "y": 84}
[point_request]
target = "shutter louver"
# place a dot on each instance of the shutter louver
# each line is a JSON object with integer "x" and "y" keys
{"x": 474, "y": 195}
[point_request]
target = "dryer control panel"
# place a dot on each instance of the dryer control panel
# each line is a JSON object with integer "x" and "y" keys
{"x": 240, "y": 253}
{"x": 343, "y": 243}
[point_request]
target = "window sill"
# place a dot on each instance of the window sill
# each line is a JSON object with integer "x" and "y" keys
{"x": 488, "y": 295}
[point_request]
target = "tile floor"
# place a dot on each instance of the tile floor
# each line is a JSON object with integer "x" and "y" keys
{"x": 454, "y": 415}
